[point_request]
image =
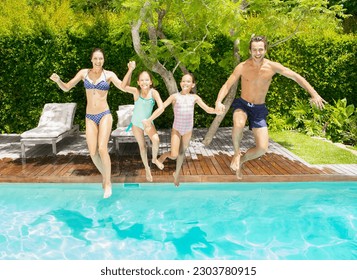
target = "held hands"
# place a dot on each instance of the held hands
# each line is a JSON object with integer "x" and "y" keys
{"x": 131, "y": 65}
{"x": 220, "y": 108}
{"x": 318, "y": 101}
{"x": 54, "y": 77}
{"x": 218, "y": 112}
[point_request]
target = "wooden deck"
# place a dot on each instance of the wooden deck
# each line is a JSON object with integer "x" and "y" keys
{"x": 202, "y": 164}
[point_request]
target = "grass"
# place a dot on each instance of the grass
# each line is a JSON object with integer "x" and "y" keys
{"x": 353, "y": 148}
{"x": 312, "y": 150}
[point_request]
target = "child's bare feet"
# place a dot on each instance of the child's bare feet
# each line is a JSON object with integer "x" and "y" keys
{"x": 176, "y": 179}
{"x": 158, "y": 163}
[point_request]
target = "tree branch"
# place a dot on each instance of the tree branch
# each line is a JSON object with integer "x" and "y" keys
{"x": 227, "y": 101}
{"x": 169, "y": 46}
{"x": 287, "y": 38}
{"x": 151, "y": 62}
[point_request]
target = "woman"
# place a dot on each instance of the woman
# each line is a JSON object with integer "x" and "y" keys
{"x": 98, "y": 117}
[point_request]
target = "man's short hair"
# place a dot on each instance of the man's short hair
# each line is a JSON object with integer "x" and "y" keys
{"x": 258, "y": 39}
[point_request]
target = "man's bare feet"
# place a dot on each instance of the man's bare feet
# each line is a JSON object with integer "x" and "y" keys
{"x": 158, "y": 163}
{"x": 107, "y": 190}
{"x": 239, "y": 173}
{"x": 148, "y": 175}
{"x": 235, "y": 163}
{"x": 233, "y": 167}
{"x": 176, "y": 179}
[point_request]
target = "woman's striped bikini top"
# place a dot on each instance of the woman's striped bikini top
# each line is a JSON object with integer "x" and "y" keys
{"x": 101, "y": 85}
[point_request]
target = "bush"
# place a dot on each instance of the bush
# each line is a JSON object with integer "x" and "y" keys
{"x": 337, "y": 122}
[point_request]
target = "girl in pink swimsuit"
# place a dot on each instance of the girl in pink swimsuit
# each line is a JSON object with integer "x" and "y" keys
{"x": 183, "y": 103}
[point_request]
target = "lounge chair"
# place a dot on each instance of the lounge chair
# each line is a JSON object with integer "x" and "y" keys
{"x": 56, "y": 123}
{"x": 120, "y": 134}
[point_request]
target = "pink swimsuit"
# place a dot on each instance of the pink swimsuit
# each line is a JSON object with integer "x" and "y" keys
{"x": 183, "y": 111}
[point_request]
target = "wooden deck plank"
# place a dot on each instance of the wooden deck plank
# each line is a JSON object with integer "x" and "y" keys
{"x": 217, "y": 166}
{"x": 227, "y": 161}
{"x": 202, "y": 163}
{"x": 191, "y": 166}
{"x": 248, "y": 169}
{"x": 204, "y": 166}
{"x": 210, "y": 164}
{"x": 9, "y": 168}
{"x": 223, "y": 165}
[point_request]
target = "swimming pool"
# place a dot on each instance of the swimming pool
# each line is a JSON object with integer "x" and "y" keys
{"x": 311, "y": 221}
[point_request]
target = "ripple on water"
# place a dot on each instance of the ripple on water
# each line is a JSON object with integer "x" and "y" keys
{"x": 245, "y": 221}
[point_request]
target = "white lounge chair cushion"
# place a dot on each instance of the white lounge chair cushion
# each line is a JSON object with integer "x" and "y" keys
{"x": 121, "y": 131}
{"x": 125, "y": 113}
{"x": 56, "y": 118}
{"x": 44, "y": 131}
{"x": 58, "y": 114}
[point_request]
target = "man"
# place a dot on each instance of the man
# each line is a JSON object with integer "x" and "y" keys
{"x": 256, "y": 74}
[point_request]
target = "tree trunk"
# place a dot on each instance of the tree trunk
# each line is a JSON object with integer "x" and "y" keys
{"x": 227, "y": 102}
{"x": 218, "y": 119}
{"x": 167, "y": 76}
{"x": 153, "y": 65}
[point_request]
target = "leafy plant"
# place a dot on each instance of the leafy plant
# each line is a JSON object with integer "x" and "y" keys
{"x": 340, "y": 121}
{"x": 336, "y": 122}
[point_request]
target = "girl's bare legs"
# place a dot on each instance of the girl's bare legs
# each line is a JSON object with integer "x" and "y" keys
{"x": 97, "y": 140}
{"x": 175, "y": 146}
{"x": 139, "y": 136}
{"x": 185, "y": 141}
{"x": 155, "y": 140}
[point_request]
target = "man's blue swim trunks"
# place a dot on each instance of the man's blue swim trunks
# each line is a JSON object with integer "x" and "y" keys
{"x": 257, "y": 113}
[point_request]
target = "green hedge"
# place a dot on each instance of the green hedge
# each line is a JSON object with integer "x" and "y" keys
{"x": 24, "y": 78}
{"x": 330, "y": 66}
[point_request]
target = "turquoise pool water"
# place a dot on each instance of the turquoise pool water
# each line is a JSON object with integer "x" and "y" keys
{"x": 313, "y": 221}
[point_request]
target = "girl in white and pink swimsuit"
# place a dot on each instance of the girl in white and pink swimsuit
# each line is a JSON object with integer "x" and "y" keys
{"x": 184, "y": 110}
{"x": 183, "y": 103}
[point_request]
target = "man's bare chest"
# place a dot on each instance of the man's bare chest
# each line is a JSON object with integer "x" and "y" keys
{"x": 253, "y": 75}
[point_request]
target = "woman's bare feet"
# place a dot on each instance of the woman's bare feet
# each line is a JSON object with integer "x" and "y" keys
{"x": 158, "y": 163}
{"x": 107, "y": 190}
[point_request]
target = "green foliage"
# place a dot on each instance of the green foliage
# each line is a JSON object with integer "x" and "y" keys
{"x": 279, "y": 122}
{"x": 337, "y": 122}
{"x": 340, "y": 123}
{"x": 39, "y": 37}
{"x": 330, "y": 65}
